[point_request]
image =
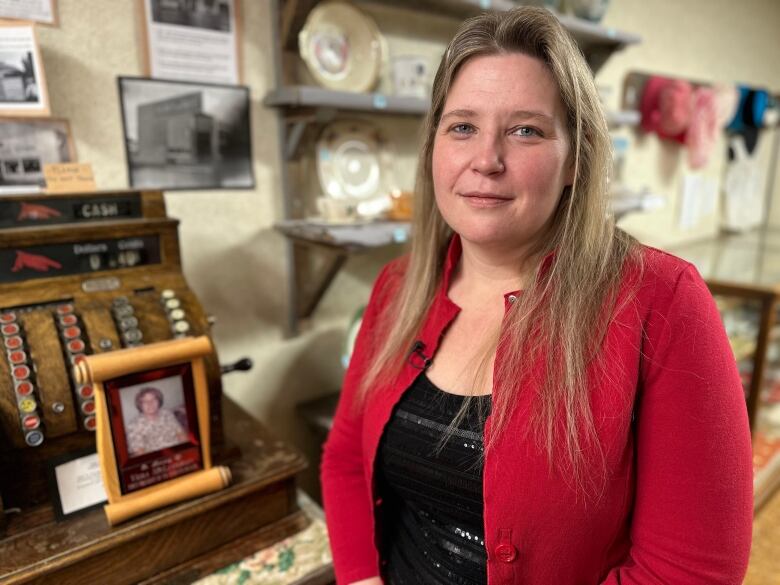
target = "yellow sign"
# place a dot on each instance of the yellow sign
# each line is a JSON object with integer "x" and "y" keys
{"x": 69, "y": 177}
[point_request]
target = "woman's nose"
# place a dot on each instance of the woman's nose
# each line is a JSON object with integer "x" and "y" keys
{"x": 488, "y": 158}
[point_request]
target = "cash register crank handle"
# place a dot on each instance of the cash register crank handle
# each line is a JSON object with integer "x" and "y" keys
{"x": 243, "y": 365}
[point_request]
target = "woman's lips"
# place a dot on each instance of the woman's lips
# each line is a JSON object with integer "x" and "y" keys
{"x": 480, "y": 199}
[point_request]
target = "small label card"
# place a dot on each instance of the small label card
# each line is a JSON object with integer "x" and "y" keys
{"x": 69, "y": 177}
{"x": 78, "y": 483}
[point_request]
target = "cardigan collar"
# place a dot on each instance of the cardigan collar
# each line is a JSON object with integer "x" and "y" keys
{"x": 455, "y": 251}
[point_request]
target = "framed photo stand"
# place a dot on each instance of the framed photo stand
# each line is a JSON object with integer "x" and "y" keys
{"x": 152, "y": 430}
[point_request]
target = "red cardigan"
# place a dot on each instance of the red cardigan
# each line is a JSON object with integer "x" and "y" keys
{"x": 678, "y": 504}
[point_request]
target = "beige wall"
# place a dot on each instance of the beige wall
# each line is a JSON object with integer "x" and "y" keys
{"x": 234, "y": 260}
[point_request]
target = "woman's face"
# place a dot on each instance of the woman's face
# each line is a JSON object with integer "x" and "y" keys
{"x": 501, "y": 152}
{"x": 149, "y": 404}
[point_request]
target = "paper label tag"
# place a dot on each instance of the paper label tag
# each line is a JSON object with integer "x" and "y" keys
{"x": 69, "y": 177}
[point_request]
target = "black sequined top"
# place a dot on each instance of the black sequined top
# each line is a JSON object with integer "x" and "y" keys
{"x": 432, "y": 512}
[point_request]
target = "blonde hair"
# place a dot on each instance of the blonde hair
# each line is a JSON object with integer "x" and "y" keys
{"x": 562, "y": 315}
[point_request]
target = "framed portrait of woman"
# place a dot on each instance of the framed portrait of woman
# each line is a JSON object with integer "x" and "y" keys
{"x": 154, "y": 426}
{"x": 152, "y": 432}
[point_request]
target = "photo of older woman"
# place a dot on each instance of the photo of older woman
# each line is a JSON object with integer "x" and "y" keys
{"x": 154, "y": 427}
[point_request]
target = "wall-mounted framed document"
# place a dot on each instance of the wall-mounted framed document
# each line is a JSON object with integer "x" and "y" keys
{"x": 152, "y": 431}
{"x": 191, "y": 40}
{"x": 38, "y": 11}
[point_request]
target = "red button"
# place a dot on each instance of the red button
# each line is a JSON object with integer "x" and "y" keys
{"x": 7, "y": 317}
{"x": 31, "y": 422}
{"x": 68, "y": 320}
{"x": 65, "y": 309}
{"x": 14, "y": 342}
{"x": 71, "y": 332}
{"x": 88, "y": 407}
{"x": 17, "y": 357}
{"x": 506, "y": 553}
{"x": 78, "y": 358}
{"x": 21, "y": 372}
{"x": 90, "y": 423}
{"x": 86, "y": 391}
{"x": 10, "y": 329}
{"x": 24, "y": 388}
{"x": 76, "y": 346}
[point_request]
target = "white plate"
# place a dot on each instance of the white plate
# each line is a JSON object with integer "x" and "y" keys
{"x": 353, "y": 161}
{"x": 342, "y": 47}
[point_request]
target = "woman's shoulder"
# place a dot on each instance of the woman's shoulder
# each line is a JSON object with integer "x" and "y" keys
{"x": 390, "y": 278}
{"x": 665, "y": 277}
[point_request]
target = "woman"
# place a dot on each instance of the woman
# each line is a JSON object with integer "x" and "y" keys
{"x": 155, "y": 427}
{"x": 534, "y": 397}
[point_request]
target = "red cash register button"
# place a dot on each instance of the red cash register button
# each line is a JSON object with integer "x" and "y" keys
{"x": 88, "y": 407}
{"x": 31, "y": 422}
{"x": 86, "y": 391}
{"x": 24, "y": 388}
{"x": 65, "y": 309}
{"x": 21, "y": 372}
{"x": 17, "y": 357}
{"x": 7, "y": 317}
{"x": 71, "y": 332}
{"x": 10, "y": 329}
{"x": 14, "y": 342}
{"x": 68, "y": 320}
{"x": 90, "y": 423}
{"x": 76, "y": 346}
{"x": 78, "y": 358}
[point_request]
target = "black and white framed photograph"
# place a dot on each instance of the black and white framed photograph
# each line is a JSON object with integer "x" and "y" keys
{"x": 192, "y": 40}
{"x": 22, "y": 81}
{"x": 181, "y": 135}
{"x": 26, "y": 145}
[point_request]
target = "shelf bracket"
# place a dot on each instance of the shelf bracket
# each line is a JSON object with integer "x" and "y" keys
{"x": 315, "y": 269}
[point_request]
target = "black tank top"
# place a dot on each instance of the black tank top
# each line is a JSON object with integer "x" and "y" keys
{"x": 432, "y": 512}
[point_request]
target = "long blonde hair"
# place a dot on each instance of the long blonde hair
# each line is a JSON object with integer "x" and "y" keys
{"x": 562, "y": 315}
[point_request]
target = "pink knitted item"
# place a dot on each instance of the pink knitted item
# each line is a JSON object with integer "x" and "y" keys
{"x": 703, "y": 130}
{"x": 666, "y": 107}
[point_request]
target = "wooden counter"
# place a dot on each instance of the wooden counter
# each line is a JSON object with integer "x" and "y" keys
{"x": 258, "y": 507}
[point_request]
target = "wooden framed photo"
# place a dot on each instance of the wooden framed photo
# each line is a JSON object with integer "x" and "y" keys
{"x": 22, "y": 81}
{"x": 191, "y": 40}
{"x": 152, "y": 430}
{"x": 38, "y": 11}
{"x": 154, "y": 426}
{"x": 26, "y": 145}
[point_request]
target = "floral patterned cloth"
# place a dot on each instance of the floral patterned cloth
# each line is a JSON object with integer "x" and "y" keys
{"x": 285, "y": 562}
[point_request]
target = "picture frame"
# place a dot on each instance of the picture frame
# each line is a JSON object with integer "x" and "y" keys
{"x": 75, "y": 486}
{"x": 26, "y": 145}
{"x": 183, "y": 135}
{"x": 23, "y": 89}
{"x": 152, "y": 434}
{"x": 191, "y": 40}
{"x": 38, "y": 11}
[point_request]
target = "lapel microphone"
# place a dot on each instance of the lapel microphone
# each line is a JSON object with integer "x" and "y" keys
{"x": 417, "y": 357}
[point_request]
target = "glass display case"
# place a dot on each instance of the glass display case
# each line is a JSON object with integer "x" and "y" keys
{"x": 743, "y": 273}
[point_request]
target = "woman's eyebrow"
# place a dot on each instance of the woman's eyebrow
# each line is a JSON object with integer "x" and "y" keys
{"x": 522, "y": 114}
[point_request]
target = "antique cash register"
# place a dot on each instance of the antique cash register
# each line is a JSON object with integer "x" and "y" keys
{"x": 91, "y": 273}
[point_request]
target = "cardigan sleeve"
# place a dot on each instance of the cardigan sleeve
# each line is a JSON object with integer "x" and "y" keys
{"x": 347, "y": 498}
{"x": 692, "y": 513}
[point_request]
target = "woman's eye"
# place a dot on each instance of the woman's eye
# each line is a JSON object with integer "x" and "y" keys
{"x": 462, "y": 128}
{"x": 526, "y": 131}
